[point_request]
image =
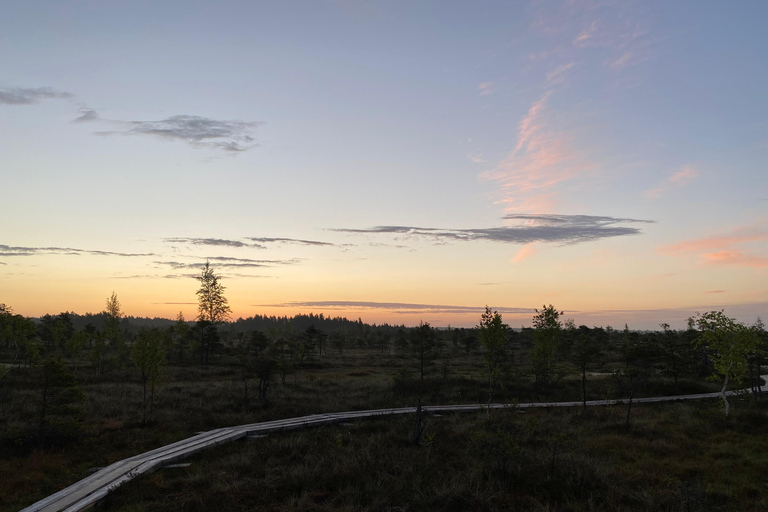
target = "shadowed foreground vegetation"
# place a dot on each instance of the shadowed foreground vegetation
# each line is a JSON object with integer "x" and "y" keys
{"x": 78, "y": 398}
{"x": 675, "y": 457}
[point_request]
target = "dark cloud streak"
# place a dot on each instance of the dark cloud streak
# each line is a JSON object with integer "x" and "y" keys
{"x": 7, "y": 250}
{"x": 564, "y": 229}
{"x": 397, "y": 307}
{"x": 257, "y": 242}
{"x": 30, "y": 96}
{"x": 86, "y": 115}
{"x": 290, "y": 241}
{"x": 198, "y": 131}
{"x": 228, "y": 263}
{"x": 210, "y": 241}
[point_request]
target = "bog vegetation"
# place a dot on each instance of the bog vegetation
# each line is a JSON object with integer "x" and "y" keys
{"x": 82, "y": 391}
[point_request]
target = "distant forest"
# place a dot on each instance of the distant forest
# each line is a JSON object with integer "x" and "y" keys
{"x": 252, "y": 323}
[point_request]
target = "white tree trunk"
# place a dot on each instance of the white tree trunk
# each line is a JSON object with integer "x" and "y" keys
{"x": 726, "y": 405}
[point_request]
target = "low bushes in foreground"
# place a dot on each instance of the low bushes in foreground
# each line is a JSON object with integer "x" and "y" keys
{"x": 678, "y": 456}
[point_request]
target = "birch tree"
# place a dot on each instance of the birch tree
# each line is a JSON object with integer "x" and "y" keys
{"x": 728, "y": 343}
{"x": 213, "y": 309}
{"x": 547, "y": 332}
{"x": 493, "y": 336}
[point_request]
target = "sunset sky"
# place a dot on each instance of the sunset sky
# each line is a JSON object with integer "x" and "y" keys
{"x": 398, "y": 161}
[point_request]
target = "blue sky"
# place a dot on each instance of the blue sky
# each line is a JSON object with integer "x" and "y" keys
{"x": 605, "y": 156}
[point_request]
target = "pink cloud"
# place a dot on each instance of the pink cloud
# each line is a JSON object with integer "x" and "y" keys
{"x": 621, "y": 62}
{"x": 486, "y": 88}
{"x": 736, "y": 258}
{"x": 682, "y": 177}
{"x": 708, "y": 244}
{"x": 531, "y": 123}
{"x": 525, "y": 252}
{"x": 557, "y": 75}
{"x": 543, "y": 157}
{"x": 586, "y": 35}
{"x": 715, "y": 291}
{"x": 719, "y": 249}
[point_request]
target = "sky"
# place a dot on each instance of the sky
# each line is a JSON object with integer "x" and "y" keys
{"x": 394, "y": 161}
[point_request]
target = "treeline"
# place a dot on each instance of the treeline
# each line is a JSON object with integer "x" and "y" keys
{"x": 297, "y": 322}
{"x": 262, "y": 347}
{"x": 256, "y": 322}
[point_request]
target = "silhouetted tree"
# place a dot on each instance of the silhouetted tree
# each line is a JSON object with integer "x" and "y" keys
{"x": 18, "y": 333}
{"x": 586, "y": 347}
{"x": 59, "y": 390}
{"x": 258, "y": 343}
{"x": 423, "y": 343}
{"x": 148, "y": 354}
{"x": 677, "y": 352}
{"x": 265, "y": 369}
{"x": 180, "y": 334}
{"x": 213, "y": 309}
{"x": 546, "y": 342}
{"x": 494, "y": 335}
{"x": 338, "y": 340}
{"x": 113, "y": 335}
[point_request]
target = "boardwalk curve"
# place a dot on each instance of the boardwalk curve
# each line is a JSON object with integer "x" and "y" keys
{"x": 91, "y": 489}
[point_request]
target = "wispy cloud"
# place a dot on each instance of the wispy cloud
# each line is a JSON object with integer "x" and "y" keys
{"x": 621, "y": 62}
{"x": 678, "y": 179}
{"x": 621, "y": 31}
{"x": 615, "y": 28}
{"x": 395, "y": 307}
{"x": 227, "y": 259}
{"x": 736, "y": 258}
{"x": 544, "y": 156}
{"x": 632, "y": 46}
{"x": 226, "y": 135}
{"x": 298, "y": 241}
{"x": 30, "y": 96}
{"x": 557, "y": 75}
{"x": 476, "y": 158}
{"x": 721, "y": 250}
{"x": 86, "y": 115}
{"x": 525, "y": 252}
{"x": 152, "y": 276}
{"x": 7, "y": 250}
{"x": 586, "y": 36}
{"x": 486, "y": 88}
{"x": 227, "y": 263}
{"x": 563, "y": 229}
{"x": 218, "y": 242}
{"x": 251, "y": 242}
{"x": 715, "y": 291}
{"x": 716, "y": 242}
{"x": 231, "y": 136}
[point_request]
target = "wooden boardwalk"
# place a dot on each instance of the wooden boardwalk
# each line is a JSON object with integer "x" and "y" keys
{"x": 89, "y": 490}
